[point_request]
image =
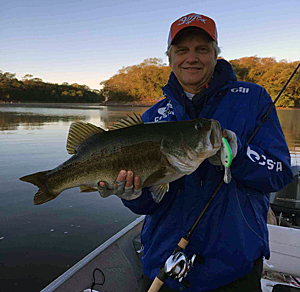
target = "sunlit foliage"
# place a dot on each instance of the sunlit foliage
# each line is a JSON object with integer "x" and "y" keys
{"x": 271, "y": 75}
{"x": 142, "y": 84}
{"x": 139, "y": 83}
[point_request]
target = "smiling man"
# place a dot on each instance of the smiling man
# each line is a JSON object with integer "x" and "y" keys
{"x": 232, "y": 237}
{"x": 193, "y": 58}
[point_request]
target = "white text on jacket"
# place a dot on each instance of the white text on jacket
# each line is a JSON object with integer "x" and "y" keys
{"x": 262, "y": 160}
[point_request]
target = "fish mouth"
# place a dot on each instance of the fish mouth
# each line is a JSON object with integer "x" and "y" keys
{"x": 216, "y": 134}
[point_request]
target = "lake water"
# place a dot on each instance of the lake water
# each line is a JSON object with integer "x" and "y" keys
{"x": 39, "y": 243}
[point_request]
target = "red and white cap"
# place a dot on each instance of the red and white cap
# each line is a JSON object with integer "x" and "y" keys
{"x": 193, "y": 20}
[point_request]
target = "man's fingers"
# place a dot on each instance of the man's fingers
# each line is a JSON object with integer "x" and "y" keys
{"x": 137, "y": 183}
{"x": 129, "y": 179}
{"x": 122, "y": 175}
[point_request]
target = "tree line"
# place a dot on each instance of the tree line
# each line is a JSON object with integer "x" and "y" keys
{"x": 271, "y": 75}
{"x": 30, "y": 89}
{"x": 141, "y": 84}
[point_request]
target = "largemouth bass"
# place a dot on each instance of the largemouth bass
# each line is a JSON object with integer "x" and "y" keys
{"x": 158, "y": 153}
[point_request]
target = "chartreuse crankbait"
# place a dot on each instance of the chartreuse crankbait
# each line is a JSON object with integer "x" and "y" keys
{"x": 226, "y": 159}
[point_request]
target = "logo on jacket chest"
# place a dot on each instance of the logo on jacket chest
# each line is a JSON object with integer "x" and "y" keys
{"x": 240, "y": 89}
{"x": 164, "y": 112}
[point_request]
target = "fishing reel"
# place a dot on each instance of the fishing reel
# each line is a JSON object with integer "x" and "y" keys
{"x": 178, "y": 265}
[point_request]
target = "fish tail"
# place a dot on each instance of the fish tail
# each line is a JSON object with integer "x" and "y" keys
{"x": 40, "y": 180}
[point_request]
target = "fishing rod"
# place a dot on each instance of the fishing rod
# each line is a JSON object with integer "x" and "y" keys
{"x": 178, "y": 265}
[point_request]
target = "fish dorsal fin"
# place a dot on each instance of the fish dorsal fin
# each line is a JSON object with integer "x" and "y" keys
{"x": 133, "y": 120}
{"x": 79, "y": 132}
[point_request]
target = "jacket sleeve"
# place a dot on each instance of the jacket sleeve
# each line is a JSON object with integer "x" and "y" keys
{"x": 264, "y": 163}
{"x": 143, "y": 205}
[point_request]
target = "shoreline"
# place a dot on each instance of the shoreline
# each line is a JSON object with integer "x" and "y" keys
{"x": 89, "y": 105}
{"x": 72, "y": 105}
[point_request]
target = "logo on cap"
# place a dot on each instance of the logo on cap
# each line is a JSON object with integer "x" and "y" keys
{"x": 190, "y": 18}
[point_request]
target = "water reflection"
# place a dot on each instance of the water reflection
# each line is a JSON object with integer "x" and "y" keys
{"x": 12, "y": 120}
{"x": 290, "y": 122}
{"x": 107, "y": 118}
{"x": 34, "y": 118}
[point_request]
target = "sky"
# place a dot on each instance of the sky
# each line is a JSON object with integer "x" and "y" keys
{"x": 87, "y": 42}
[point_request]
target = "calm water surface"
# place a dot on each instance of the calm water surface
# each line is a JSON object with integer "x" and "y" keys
{"x": 38, "y": 243}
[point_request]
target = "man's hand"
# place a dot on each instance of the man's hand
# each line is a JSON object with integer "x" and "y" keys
{"x": 123, "y": 187}
{"x": 231, "y": 138}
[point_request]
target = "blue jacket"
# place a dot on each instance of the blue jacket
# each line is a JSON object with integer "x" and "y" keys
{"x": 233, "y": 232}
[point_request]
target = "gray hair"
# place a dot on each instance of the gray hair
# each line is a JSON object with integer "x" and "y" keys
{"x": 215, "y": 45}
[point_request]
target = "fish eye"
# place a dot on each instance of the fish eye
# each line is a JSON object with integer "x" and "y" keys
{"x": 198, "y": 126}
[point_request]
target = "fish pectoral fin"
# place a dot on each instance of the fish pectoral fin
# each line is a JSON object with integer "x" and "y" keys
{"x": 127, "y": 122}
{"x": 87, "y": 189}
{"x": 79, "y": 132}
{"x": 158, "y": 192}
{"x": 155, "y": 177}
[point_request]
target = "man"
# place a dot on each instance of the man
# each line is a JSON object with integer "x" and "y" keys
{"x": 232, "y": 238}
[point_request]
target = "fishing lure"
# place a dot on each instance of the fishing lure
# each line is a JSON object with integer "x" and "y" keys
{"x": 226, "y": 159}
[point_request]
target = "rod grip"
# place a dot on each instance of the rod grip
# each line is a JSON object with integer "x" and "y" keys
{"x": 183, "y": 243}
{"x": 156, "y": 285}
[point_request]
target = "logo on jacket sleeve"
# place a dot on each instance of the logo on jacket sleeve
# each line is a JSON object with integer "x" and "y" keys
{"x": 164, "y": 112}
{"x": 240, "y": 89}
{"x": 262, "y": 160}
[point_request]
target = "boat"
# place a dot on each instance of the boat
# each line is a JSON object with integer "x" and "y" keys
{"x": 286, "y": 203}
{"x": 116, "y": 264}
{"x": 119, "y": 259}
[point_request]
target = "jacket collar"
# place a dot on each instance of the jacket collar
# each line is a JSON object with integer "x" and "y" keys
{"x": 222, "y": 77}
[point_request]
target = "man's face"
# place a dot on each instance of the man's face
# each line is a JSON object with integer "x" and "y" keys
{"x": 193, "y": 61}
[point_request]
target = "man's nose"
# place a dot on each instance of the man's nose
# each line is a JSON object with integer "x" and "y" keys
{"x": 192, "y": 57}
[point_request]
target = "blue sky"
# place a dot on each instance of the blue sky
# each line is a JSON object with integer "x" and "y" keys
{"x": 88, "y": 41}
